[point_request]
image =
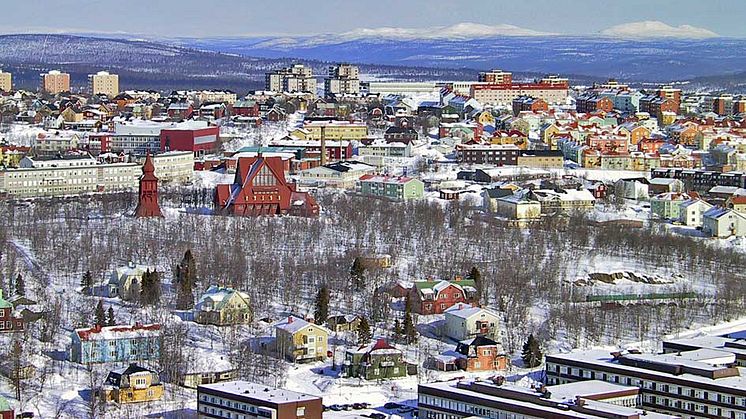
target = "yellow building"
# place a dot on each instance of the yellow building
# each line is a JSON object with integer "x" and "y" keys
{"x": 104, "y": 83}
{"x": 541, "y": 159}
{"x": 132, "y": 384}
{"x": 6, "y": 81}
{"x": 55, "y": 82}
{"x": 335, "y": 130}
{"x": 299, "y": 340}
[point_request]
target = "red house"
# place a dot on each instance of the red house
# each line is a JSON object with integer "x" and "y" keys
{"x": 435, "y": 297}
{"x": 196, "y": 140}
{"x": 260, "y": 188}
{"x": 8, "y": 321}
{"x": 6, "y": 412}
{"x": 246, "y": 108}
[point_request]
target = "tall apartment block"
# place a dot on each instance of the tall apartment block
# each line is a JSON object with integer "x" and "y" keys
{"x": 55, "y": 82}
{"x": 6, "y": 81}
{"x": 104, "y": 83}
{"x": 296, "y": 78}
{"x": 343, "y": 79}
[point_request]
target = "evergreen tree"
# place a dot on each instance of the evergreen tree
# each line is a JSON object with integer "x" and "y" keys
{"x": 409, "y": 329}
{"x": 476, "y": 276}
{"x": 531, "y": 355}
{"x": 363, "y": 332}
{"x": 321, "y": 312}
{"x": 357, "y": 272}
{"x": 397, "y": 331}
{"x": 99, "y": 314}
{"x": 150, "y": 288}
{"x": 186, "y": 278}
{"x": 110, "y": 319}
{"x": 86, "y": 281}
{"x": 20, "y": 285}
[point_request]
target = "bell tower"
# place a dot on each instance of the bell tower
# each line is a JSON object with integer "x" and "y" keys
{"x": 147, "y": 204}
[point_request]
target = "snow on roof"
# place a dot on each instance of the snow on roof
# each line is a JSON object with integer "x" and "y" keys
{"x": 602, "y": 358}
{"x": 587, "y": 388}
{"x": 259, "y": 391}
{"x": 294, "y": 324}
{"x": 217, "y": 296}
{"x": 119, "y": 332}
{"x": 466, "y": 311}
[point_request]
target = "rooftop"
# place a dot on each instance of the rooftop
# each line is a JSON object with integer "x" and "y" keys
{"x": 259, "y": 392}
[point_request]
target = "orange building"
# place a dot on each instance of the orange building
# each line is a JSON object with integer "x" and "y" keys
{"x": 55, "y": 82}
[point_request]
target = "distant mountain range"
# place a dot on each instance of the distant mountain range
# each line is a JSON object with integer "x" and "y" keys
{"x": 654, "y": 60}
{"x": 239, "y": 64}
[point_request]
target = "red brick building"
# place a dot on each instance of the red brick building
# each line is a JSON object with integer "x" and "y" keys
{"x": 481, "y": 354}
{"x": 435, "y": 297}
{"x": 260, "y": 188}
{"x": 592, "y": 103}
{"x": 530, "y": 104}
{"x": 246, "y": 108}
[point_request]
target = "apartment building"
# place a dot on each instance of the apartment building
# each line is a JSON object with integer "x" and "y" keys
{"x": 55, "y": 82}
{"x": 6, "y": 81}
{"x": 499, "y": 155}
{"x": 549, "y": 90}
{"x": 501, "y": 400}
{"x": 297, "y": 78}
{"x": 40, "y": 177}
{"x": 395, "y": 188}
{"x": 702, "y": 383}
{"x": 343, "y": 79}
{"x": 496, "y": 76}
{"x": 333, "y": 130}
{"x": 173, "y": 166}
{"x": 104, "y": 83}
{"x": 242, "y": 399}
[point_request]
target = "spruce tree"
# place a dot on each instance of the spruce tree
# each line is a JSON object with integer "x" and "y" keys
{"x": 20, "y": 285}
{"x": 99, "y": 314}
{"x": 150, "y": 288}
{"x": 397, "y": 331}
{"x": 86, "y": 282}
{"x": 531, "y": 355}
{"x": 321, "y": 312}
{"x": 186, "y": 278}
{"x": 409, "y": 329}
{"x": 357, "y": 272}
{"x": 363, "y": 332}
{"x": 110, "y": 320}
{"x": 476, "y": 276}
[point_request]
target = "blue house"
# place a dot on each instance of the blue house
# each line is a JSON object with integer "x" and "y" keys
{"x": 116, "y": 344}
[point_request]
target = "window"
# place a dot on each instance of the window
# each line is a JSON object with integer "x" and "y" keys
{"x": 301, "y": 411}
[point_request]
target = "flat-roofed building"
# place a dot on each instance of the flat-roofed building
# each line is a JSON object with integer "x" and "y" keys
{"x": 242, "y": 399}
{"x": 104, "y": 83}
{"x": 498, "y": 399}
{"x": 55, "y": 82}
{"x": 697, "y": 384}
{"x": 6, "y": 81}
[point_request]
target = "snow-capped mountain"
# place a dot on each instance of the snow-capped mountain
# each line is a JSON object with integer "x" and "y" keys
{"x": 657, "y": 29}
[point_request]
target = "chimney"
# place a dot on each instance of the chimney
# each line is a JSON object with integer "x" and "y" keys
{"x": 97, "y": 328}
{"x": 138, "y": 325}
{"x": 458, "y": 277}
{"x": 579, "y": 402}
{"x": 290, "y": 319}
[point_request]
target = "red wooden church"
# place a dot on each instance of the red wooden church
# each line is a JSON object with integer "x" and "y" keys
{"x": 147, "y": 204}
{"x": 260, "y": 188}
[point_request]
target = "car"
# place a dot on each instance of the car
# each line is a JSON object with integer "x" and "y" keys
{"x": 377, "y": 416}
{"x": 347, "y": 406}
{"x": 358, "y": 406}
{"x": 405, "y": 409}
{"x": 26, "y": 415}
{"x": 391, "y": 405}
{"x": 335, "y": 407}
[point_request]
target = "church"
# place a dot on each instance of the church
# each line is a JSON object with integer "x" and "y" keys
{"x": 260, "y": 188}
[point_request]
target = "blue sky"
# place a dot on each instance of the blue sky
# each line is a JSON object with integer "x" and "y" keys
{"x": 251, "y": 17}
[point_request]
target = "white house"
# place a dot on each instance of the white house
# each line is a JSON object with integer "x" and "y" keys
{"x": 722, "y": 223}
{"x": 464, "y": 321}
{"x": 342, "y": 174}
{"x": 632, "y": 189}
{"x": 125, "y": 281}
{"x": 691, "y": 212}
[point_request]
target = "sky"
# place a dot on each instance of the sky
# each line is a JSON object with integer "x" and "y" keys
{"x": 207, "y": 18}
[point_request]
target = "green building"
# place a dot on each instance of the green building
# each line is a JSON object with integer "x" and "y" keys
{"x": 398, "y": 188}
{"x": 376, "y": 361}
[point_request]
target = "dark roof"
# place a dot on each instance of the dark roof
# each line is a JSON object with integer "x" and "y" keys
{"x": 463, "y": 348}
{"x": 541, "y": 153}
{"x": 400, "y": 130}
{"x": 498, "y": 193}
{"x": 115, "y": 377}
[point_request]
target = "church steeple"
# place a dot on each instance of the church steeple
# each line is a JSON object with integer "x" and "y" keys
{"x": 147, "y": 204}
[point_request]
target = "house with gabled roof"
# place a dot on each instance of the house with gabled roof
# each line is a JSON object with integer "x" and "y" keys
{"x": 99, "y": 344}
{"x": 298, "y": 340}
{"x": 376, "y": 361}
{"x": 10, "y": 321}
{"x": 132, "y": 384}
{"x": 691, "y": 212}
{"x": 463, "y": 321}
{"x": 222, "y": 306}
{"x": 435, "y": 297}
{"x": 723, "y": 223}
{"x": 475, "y": 354}
{"x": 124, "y": 282}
